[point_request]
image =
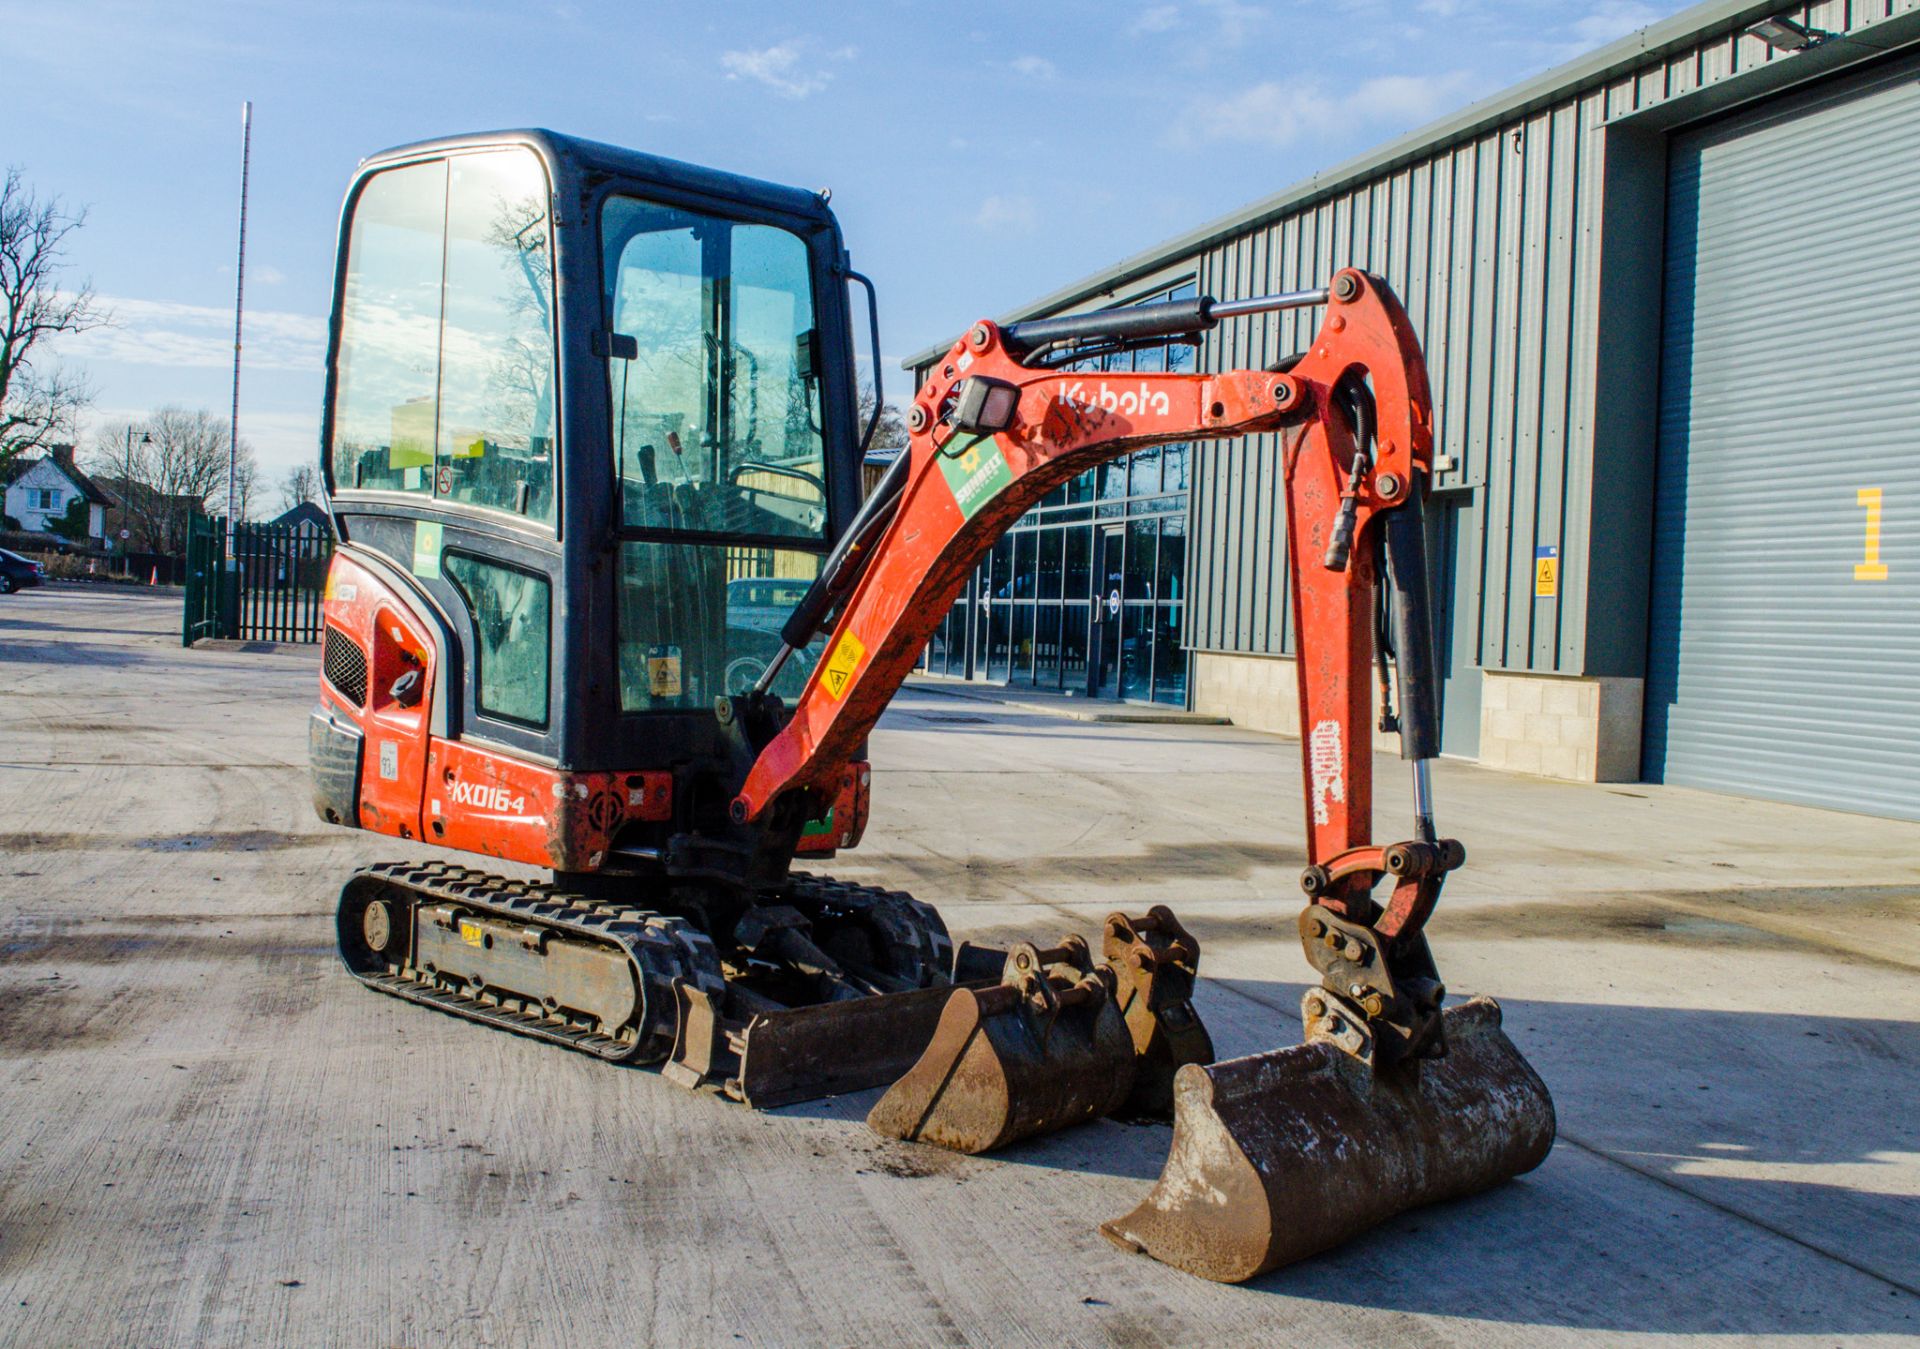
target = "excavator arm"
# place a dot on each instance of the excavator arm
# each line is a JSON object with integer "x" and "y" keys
{"x": 993, "y": 431}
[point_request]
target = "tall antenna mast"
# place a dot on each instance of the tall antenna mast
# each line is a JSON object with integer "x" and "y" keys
{"x": 239, "y": 309}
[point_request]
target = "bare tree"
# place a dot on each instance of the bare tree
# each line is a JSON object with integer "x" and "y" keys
{"x": 182, "y": 465}
{"x": 891, "y": 434}
{"x": 301, "y": 485}
{"x": 37, "y": 406}
{"x": 245, "y": 471}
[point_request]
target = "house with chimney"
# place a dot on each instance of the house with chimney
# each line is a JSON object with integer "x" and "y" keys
{"x": 52, "y": 495}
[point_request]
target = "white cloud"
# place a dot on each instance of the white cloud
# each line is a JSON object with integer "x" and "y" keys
{"x": 268, "y": 275}
{"x": 1280, "y": 114}
{"x": 1156, "y": 19}
{"x": 1612, "y": 19}
{"x": 1236, "y": 21}
{"x": 1035, "y": 68}
{"x": 792, "y": 69}
{"x": 1007, "y": 215}
{"x": 160, "y": 332}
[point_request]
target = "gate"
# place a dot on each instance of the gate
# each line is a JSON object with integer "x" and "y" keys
{"x": 273, "y": 592}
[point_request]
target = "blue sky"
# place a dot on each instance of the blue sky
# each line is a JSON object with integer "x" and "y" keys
{"x": 979, "y": 156}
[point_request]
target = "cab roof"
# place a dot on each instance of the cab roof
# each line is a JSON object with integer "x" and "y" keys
{"x": 588, "y": 158}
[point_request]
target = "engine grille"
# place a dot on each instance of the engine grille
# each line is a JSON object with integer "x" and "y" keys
{"x": 345, "y": 666}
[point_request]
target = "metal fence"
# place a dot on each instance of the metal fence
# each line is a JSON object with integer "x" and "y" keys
{"x": 272, "y": 593}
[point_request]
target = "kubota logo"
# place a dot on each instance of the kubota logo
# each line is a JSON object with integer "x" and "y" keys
{"x": 486, "y": 796}
{"x": 1128, "y": 402}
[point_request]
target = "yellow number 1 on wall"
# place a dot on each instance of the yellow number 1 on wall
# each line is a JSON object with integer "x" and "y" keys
{"x": 1872, "y": 569}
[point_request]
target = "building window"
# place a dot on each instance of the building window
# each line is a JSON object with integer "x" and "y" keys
{"x": 44, "y": 499}
{"x": 1086, "y": 594}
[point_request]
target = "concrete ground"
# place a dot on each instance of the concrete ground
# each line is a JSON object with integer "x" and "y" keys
{"x": 210, "y": 1135}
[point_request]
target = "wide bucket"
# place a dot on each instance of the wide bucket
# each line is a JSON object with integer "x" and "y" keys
{"x": 1280, "y": 1155}
{"x": 996, "y": 1072}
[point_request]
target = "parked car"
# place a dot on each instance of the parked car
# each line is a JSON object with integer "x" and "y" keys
{"x": 757, "y": 606}
{"x": 17, "y": 572}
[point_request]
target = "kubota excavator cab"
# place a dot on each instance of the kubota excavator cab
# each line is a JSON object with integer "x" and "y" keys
{"x": 591, "y": 417}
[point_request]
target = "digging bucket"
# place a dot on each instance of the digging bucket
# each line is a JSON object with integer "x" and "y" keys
{"x": 1280, "y": 1155}
{"x": 1045, "y": 1050}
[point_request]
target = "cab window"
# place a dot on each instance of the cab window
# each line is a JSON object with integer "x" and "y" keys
{"x": 715, "y": 388}
{"x": 511, "y": 612}
{"x": 387, "y": 372}
{"x": 444, "y": 381}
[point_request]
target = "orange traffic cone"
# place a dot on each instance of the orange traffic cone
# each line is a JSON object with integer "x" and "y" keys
{"x": 154, "y": 579}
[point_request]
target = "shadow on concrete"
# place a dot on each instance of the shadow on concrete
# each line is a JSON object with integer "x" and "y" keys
{"x": 1703, "y": 1155}
{"x": 71, "y": 653}
{"x": 1706, "y": 1161}
{"x": 1179, "y": 865}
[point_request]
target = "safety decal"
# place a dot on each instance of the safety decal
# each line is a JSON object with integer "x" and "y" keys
{"x": 1326, "y": 767}
{"x": 390, "y": 760}
{"x": 663, "y": 671}
{"x": 975, "y": 474}
{"x": 426, "y": 547}
{"x": 472, "y": 934}
{"x": 848, "y": 652}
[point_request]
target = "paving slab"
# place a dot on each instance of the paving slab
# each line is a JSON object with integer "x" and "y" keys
{"x": 210, "y": 1135}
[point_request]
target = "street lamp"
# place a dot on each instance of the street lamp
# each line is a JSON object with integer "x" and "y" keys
{"x": 126, "y": 489}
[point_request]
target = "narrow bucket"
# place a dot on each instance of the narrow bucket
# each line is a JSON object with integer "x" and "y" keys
{"x": 1009, "y": 1062}
{"x": 1278, "y": 1156}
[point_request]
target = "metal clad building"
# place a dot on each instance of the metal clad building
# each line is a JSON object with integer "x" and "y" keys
{"x": 1628, "y": 275}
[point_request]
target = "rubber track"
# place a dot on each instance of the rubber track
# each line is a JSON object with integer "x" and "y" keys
{"x": 660, "y": 947}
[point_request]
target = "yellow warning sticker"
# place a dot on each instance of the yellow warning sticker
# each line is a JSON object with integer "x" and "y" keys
{"x": 471, "y": 934}
{"x": 848, "y": 652}
{"x": 663, "y": 671}
{"x": 1546, "y": 572}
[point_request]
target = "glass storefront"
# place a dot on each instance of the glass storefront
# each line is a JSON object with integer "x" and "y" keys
{"x": 1087, "y": 593}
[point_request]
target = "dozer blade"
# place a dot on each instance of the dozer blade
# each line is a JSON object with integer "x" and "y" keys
{"x": 1044, "y": 1050}
{"x": 795, "y": 1054}
{"x": 1280, "y": 1155}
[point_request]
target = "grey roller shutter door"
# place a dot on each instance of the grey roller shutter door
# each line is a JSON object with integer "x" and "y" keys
{"x": 1778, "y": 665}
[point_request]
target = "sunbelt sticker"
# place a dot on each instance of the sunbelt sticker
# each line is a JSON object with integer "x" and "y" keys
{"x": 976, "y": 473}
{"x": 426, "y": 547}
{"x": 815, "y": 828}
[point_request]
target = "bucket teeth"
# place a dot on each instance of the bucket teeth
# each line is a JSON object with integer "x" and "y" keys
{"x": 1280, "y": 1155}
{"x": 1155, "y": 961}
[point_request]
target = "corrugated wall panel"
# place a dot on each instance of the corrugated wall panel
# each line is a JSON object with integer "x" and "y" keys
{"x": 1559, "y": 239}
{"x": 1784, "y": 658}
{"x": 1588, "y": 160}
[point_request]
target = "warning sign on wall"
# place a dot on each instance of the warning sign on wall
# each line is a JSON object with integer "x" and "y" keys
{"x": 1546, "y": 572}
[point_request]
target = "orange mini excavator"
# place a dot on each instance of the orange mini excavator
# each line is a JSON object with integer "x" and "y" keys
{"x": 608, "y": 603}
